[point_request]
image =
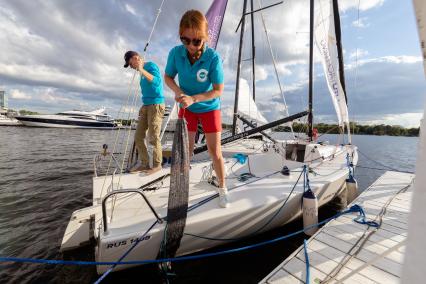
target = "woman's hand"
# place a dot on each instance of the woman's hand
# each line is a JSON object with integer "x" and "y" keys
{"x": 178, "y": 96}
{"x": 185, "y": 100}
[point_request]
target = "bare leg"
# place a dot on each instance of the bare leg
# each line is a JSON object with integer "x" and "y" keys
{"x": 191, "y": 138}
{"x": 215, "y": 151}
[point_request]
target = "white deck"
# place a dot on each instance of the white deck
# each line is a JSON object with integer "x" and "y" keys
{"x": 354, "y": 253}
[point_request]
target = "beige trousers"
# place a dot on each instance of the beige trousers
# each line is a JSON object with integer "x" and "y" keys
{"x": 150, "y": 118}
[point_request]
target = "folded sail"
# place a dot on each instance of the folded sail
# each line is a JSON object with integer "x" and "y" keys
{"x": 214, "y": 17}
{"x": 247, "y": 107}
{"x": 325, "y": 41}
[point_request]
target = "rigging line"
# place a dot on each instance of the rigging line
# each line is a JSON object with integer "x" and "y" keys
{"x": 168, "y": 120}
{"x": 384, "y": 169}
{"x": 275, "y": 66}
{"x": 130, "y": 90}
{"x": 131, "y": 112}
{"x": 153, "y": 27}
{"x": 377, "y": 162}
{"x": 118, "y": 133}
{"x": 356, "y": 64}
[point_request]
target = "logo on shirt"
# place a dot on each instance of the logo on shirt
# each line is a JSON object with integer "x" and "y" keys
{"x": 202, "y": 75}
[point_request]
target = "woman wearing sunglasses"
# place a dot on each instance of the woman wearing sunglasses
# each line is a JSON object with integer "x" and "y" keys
{"x": 200, "y": 85}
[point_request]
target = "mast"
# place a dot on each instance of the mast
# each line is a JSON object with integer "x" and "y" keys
{"x": 311, "y": 54}
{"x": 338, "y": 32}
{"x": 237, "y": 84}
{"x": 253, "y": 51}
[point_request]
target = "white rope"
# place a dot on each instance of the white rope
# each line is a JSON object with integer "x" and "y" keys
{"x": 275, "y": 66}
{"x": 118, "y": 132}
{"x": 356, "y": 63}
{"x": 132, "y": 110}
{"x": 168, "y": 120}
{"x": 126, "y": 145}
{"x": 133, "y": 107}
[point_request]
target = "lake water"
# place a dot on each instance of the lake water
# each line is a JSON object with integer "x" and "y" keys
{"x": 45, "y": 174}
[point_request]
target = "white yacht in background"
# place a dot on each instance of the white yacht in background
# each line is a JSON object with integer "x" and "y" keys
{"x": 70, "y": 119}
{"x": 8, "y": 121}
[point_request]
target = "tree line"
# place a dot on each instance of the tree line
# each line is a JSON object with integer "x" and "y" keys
{"x": 380, "y": 129}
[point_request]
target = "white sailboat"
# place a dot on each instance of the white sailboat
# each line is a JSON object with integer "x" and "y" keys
{"x": 265, "y": 190}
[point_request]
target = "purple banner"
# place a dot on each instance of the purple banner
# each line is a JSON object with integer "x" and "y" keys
{"x": 214, "y": 17}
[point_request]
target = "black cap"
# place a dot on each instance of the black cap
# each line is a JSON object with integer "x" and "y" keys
{"x": 129, "y": 54}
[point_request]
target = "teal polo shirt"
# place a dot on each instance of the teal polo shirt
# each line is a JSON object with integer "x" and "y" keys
{"x": 152, "y": 92}
{"x": 197, "y": 78}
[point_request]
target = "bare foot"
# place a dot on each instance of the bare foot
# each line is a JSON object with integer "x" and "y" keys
{"x": 139, "y": 169}
{"x": 153, "y": 170}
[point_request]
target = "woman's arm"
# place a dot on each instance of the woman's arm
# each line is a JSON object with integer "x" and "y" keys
{"x": 171, "y": 83}
{"x": 186, "y": 101}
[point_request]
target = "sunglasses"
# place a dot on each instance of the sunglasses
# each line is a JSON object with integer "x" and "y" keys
{"x": 194, "y": 41}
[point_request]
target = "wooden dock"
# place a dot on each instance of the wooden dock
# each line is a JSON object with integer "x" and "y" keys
{"x": 343, "y": 251}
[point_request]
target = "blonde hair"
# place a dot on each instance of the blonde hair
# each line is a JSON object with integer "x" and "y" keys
{"x": 195, "y": 20}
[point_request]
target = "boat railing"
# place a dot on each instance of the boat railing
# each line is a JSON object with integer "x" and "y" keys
{"x": 98, "y": 157}
{"x": 125, "y": 191}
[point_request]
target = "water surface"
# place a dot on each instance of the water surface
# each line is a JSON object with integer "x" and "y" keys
{"x": 45, "y": 174}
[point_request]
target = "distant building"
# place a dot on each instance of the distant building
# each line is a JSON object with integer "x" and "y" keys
{"x": 3, "y": 102}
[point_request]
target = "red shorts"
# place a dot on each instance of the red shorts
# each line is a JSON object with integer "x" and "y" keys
{"x": 211, "y": 121}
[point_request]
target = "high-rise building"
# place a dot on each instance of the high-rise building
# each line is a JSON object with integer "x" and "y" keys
{"x": 3, "y": 100}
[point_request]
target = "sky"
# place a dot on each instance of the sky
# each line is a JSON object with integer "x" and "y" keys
{"x": 64, "y": 55}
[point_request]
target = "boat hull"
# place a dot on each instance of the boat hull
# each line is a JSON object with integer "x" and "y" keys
{"x": 253, "y": 205}
{"x": 57, "y": 123}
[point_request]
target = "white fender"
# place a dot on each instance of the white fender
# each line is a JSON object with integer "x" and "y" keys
{"x": 310, "y": 212}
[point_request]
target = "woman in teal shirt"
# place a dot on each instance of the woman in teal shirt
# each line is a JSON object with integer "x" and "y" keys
{"x": 200, "y": 86}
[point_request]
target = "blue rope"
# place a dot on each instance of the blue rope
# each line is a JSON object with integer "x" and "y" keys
{"x": 350, "y": 168}
{"x": 361, "y": 219}
{"x": 308, "y": 272}
{"x": 214, "y": 196}
{"x": 258, "y": 230}
{"x": 352, "y": 209}
{"x": 306, "y": 185}
{"x": 241, "y": 158}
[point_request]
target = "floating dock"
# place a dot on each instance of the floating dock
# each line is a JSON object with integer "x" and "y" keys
{"x": 343, "y": 251}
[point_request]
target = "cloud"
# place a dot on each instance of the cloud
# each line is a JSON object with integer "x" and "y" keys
{"x": 360, "y": 23}
{"x": 19, "y": 95}
{"x": 404, "y": 119}
{"x": 363, "y": 5}
{"x": 358, "y": 53}
{"x": 402, "y": 59}
{"x": 130, "y": 9}
{"x": 69, "y": 54}
{"x": 378, "y": 87}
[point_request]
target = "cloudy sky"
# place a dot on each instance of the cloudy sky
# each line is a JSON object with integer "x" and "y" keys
{"x": 63, "y": 55}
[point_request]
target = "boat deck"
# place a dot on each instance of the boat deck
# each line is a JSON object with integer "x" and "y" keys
{"x": 343, "y": 251}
